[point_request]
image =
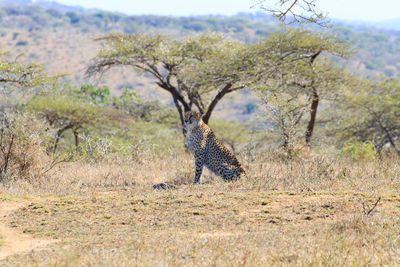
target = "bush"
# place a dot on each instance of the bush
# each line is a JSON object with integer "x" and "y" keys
{"x": 360, "y": 151}
{"x": 232, "y": 134}
{"x": 95, "y": 95}
{"x": 24, "y": 142}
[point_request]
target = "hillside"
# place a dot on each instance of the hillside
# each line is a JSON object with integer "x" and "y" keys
{"x": 62, "y": 39}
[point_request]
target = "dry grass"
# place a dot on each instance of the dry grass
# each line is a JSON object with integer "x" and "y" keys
{"x": 303, "y": 212}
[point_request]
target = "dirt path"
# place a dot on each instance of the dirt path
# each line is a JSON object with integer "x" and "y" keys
{"x": 12, "y": 241}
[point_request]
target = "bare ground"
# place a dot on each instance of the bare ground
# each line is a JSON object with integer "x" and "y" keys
{"x": 12, "y": 240}
{"x": 214, "y": 224}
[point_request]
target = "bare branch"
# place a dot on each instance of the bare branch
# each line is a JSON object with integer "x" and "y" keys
{"x": 295, "y": 11}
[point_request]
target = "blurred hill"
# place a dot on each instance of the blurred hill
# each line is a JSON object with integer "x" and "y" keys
{"x": 62, "y": 39}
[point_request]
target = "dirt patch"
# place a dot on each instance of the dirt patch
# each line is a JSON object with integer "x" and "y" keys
{"x": 12, "y": 241}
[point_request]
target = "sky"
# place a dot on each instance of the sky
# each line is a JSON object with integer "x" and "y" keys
{"x": 361, "y": 10}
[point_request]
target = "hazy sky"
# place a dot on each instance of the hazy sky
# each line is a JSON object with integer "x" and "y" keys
{"x": 366, "y": 10}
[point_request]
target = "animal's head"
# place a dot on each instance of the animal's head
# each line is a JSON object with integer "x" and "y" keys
{"x": 192, "y": 119}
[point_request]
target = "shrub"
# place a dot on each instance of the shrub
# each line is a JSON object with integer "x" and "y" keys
{"x": 24, "y": 141}
{"x": 95, "y": 95}
{"x": 360, "y": 151}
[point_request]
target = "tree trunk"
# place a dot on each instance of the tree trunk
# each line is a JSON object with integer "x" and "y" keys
{"x": 313, "y": 116}
{"x": 58, "y": 136}
{"x": 390, "y": 138}
{"x": 7, "y": 159}
{"x": 314, "y": 104}
{"x": 76, "y": 140}
{"x": 181, "y": 115}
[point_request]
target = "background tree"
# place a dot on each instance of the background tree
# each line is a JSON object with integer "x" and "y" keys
{"x": 19, "y": 79}
{"x": 285, "y": 111}
{"x": 150, "y": 111}
{"x": 64, "y": 113}
{"x": 294, "y": 63}
{"x": 178, "y": 66}
{"x": 370, "y": 112}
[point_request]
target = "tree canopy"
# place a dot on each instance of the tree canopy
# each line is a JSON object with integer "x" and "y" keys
{"x": 197, "y": 71}
{"x": 292, "y": 71}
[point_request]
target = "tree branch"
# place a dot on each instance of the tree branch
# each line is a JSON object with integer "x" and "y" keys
{"x": 222, "y": 92}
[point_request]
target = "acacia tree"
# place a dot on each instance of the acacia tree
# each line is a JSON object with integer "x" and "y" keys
{"x": 19, "y": 78}
{"x": 65, "y": 113}
{"x": 197, "y": 71}
{"x": 299, "y": 71}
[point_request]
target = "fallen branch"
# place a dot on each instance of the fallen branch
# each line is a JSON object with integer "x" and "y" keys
{"x": 371, "y": 209}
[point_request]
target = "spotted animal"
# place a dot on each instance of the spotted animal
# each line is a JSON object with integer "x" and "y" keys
{"x": 209, "y": 151}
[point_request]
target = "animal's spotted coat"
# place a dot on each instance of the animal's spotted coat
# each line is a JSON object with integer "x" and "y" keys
{"x": 209, "y": 151}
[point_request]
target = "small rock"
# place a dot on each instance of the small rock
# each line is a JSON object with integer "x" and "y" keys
{"x": 164, "y": 186}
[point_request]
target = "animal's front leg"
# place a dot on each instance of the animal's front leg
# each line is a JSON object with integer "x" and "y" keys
{"x": 199, "y": 170}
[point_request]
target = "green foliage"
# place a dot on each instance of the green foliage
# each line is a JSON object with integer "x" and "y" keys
{"x": 64, "y": 113}
{"x": 135, "y": 139}
{"x": 152, "y": 138}
{"x": 233, "y": 134}
{"x": 133, "y": 104}
{"x": 212, "y": 61}
{"x": 291, "y": 73}
{"x": 295, "y": 58}
{"x": 360, "y": 151}
{"x": 191, "y": 70}
{"x": 370, "y": 112}
{"x": 95, "y": 95}
{"x": 19, "y": 78}
{"x": 61, "y": 110}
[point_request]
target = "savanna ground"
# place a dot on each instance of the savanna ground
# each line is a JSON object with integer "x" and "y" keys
{"x": 314, "y": 211}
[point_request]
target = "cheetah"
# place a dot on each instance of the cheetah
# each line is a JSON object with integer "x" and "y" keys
{"x": 209, "y": 151}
